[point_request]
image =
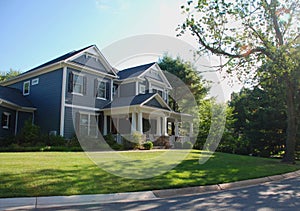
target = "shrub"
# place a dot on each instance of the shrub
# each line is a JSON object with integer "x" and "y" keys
{"x": 177, "y": 145}
{"x": 187, "y": 145}
{"x": 30, "y": 134}
{"x": 148, "y": 145}
{"x": 53, "y": 140}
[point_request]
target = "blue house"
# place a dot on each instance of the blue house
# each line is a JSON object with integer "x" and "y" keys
{"x": 81, "y": 94}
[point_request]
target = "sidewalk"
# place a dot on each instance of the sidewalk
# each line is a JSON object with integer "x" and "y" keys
{"x": 54, "y": 201}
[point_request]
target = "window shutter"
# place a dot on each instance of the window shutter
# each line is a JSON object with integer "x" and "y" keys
{"x": 84, "y": 85}
{"x": 95, "y": 87}
{"x": 107, "y": 90}
{"x": 70, "y": 82}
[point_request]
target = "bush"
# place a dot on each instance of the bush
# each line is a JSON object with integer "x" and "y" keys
{"x": 187, "y": 145}
{"x": 53, "y": 140}
{"x": 148, "y": 145}
{"x": 177, "y": 145}
{"x": 30, "y": 134}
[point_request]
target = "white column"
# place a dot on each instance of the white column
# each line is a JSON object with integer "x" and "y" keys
{"x": 191, "y": 129}
{"x": 16, "y": 122}
{"x": 133, "y": 122}
{"x": 140, "y": 122}
{"x": 158, "y": 126}
{"x": 176, "y": 128}
{"x": 111, "y": 89}
{"x": 105, "y": 125}
{"x": 164, "y": 126}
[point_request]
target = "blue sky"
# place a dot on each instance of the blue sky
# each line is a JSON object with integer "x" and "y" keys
{"x": 33, "y": 32}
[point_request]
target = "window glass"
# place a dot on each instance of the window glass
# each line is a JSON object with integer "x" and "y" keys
{"x": 26, "y": 88}
{"x": 101, "y": 92}
{"x": 78, "y": 84}
{"x": 5, "y": 120}
{"x": 142, "y": 89}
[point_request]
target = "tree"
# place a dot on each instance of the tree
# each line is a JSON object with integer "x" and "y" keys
{"x": 250, "y": 34}
{"x": 260, "y": 120}
{"x": 187, "y": 83}
{"x": 8, "y": 75}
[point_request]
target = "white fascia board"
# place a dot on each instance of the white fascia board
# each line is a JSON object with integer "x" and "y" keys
{"x": 89, "y": 70}
{"x": 159, "y": 99}
{"x": 34, "y": 73}
{"x": 14, "y": 106}
{"x": 99, "y": 56}
{"x": 141, "y": 75}
{"x": 129, "y": 80}
{"x": 163, "y": 75}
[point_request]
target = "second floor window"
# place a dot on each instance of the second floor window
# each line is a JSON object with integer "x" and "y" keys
{"x": 101, "y": 89}
{"x": 77, "y": 83}
{"x": 26, "y": 88}
{"x": 142, "y": 89}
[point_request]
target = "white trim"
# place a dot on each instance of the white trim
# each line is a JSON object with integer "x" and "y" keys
{"x": 8, "y": 120}
{"x": 136, "y": 88}
{"x": 63, "y": 101}
{"x": 81, "y": 107}
{"x": 159, "y": 99}
{"x": 140, "y": 89}
{"x": 111, "y": 89}
{"x": 16, "y": 121}
{"x": 75, "y": 81}
{"x": 35, "y": 81}
{"x": 100, "y": 80}
{"x": 89, "y": 114}
{"x": 32, "y": 73}
{"x": 24, "y": 84}
{"x": 15, "y": 106}
{"x": 105, "y": 125}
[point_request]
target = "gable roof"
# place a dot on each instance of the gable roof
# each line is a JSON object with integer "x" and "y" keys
{"x": 60, "y": 58}
{"x": 55, "y": 62}
{"x": 14, "y": 98}
{"x": 134, "y": 71}
{"x": 140, "y": 99}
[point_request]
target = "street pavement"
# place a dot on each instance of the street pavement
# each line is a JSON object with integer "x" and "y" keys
{"x": 280, "y": 193}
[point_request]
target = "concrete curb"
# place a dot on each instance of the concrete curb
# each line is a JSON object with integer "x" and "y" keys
{"x": 55, "y": 201}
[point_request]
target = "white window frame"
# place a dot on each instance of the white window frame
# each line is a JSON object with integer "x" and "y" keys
{"x": 159, "y": 89}
{"x": 142, "y": 89}
{"x": 7, "y": 115}
{"x": 24, "y": 85}
{"x": 35, "y": 81}
{"x": 74, "y": 82}
{"x": 105, "y": 90}
{"x": 89, "y": 116}
{"x": 114, "y": 90}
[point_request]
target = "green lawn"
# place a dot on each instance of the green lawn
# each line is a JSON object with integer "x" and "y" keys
{"x": 69, "y": 173}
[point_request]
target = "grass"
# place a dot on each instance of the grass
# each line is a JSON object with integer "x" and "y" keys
{"x": 70, "y": 173}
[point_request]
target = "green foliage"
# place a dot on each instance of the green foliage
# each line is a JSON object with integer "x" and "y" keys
{"x": 178, "y": 145}
{"x": 260, "y": 42}
{"x": 30, "y": 134}
{"x": 53, "y": 140}
{"x": 261, "y": 120}
{"x": 8, "y": 75}
{"x": 187, "y": 145}
{"x": 148, "y": 145}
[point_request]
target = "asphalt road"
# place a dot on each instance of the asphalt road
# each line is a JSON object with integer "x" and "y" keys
{"x": 279, "y": 195}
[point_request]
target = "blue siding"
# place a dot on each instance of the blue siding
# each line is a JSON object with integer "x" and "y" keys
{"x": 22, "y": 117}
{"x": 127, "y": 90}
{"x": 88, "y": 99}
{"x": 71, "y": 121}
{"x": 46, "y": 97}
{"x": 91, "y": 62}
{"x": 11, "y": 130}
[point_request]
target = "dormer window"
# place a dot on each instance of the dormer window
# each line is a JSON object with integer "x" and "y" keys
{"x": 142, "y": 89}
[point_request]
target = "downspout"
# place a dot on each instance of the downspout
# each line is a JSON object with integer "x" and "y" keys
{"x": 16, "y": 122}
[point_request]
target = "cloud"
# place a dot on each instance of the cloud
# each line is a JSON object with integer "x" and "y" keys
{"x": 116, "y": 6}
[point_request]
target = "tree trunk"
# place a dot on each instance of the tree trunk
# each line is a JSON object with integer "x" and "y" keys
{"x": 289, "y": 156}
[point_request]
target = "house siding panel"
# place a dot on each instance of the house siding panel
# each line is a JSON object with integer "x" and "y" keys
{"x": 46, "y": 97}
{"x": 88, "y": 99}
{"x": 127, "y": 90}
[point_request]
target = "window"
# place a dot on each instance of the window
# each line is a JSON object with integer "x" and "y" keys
{"x": 142, "y": 89}
{"x": 35, "y": 81}
{"x": 77, "y": 83}
{"x": 5, "y": 120}
{"x": 115, "y": 90}
{"x": 88, "y": 125}
{"x": 160, "y": 92}
{"x": 26, "y": 88}
{"x": 101, "y": 91}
